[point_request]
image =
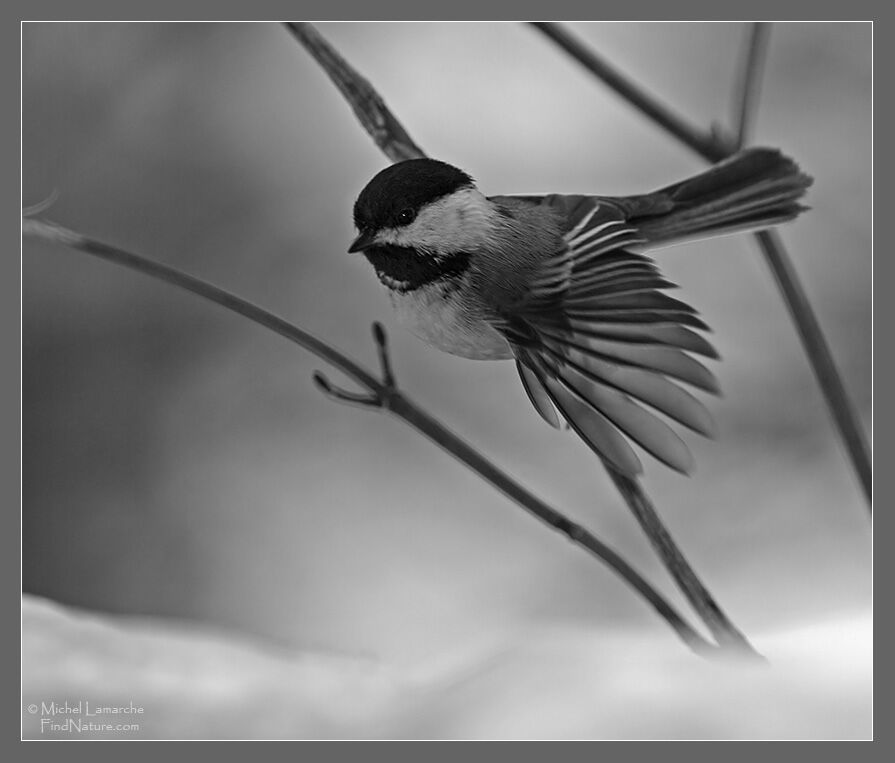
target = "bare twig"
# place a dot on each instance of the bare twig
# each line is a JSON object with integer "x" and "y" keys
{"x": 368, "y": 106}
{"x": 385, "y": 363}
{"x": 697, "y": 594}
{"x": 715, "y": 147}
{"x": 383, "y": 395}
{"x": 708, "y": 144}
{"x": 845, "y": 416}
{"x": 41, "y": 206}
{"x": 681, "y": 572}
{"x": 343, "y": 395}
{"x": 746, "y": 100}
{"x": 844, "y": 413}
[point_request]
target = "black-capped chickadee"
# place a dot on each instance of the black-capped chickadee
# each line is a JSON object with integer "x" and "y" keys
{"x": 558, "y": 284}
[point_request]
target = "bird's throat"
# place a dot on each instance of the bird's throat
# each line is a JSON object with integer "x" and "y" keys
{"x": 405, "y": 269}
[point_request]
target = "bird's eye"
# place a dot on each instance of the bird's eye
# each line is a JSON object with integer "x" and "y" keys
{"x": 405, "y": 216}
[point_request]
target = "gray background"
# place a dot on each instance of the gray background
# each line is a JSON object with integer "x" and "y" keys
{"x": 177, "y": 461}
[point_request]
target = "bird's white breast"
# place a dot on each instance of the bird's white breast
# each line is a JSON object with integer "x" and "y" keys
{"x": 437, "y": 314}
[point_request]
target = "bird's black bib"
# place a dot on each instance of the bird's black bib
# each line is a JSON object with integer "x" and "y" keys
{"x": 405, "y": 269}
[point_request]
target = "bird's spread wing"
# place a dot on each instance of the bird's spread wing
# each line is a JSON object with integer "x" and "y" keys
{"x": 597, "y": 340}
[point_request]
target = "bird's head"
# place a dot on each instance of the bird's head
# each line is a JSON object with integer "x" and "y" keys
{"x": 423, "y": 205}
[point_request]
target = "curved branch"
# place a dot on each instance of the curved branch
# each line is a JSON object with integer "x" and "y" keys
{"x": 385, "y": 396}
{"x": 845, "y": 415}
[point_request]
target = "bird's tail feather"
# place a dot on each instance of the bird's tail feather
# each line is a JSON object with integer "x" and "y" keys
{"x": 754, "y": 189}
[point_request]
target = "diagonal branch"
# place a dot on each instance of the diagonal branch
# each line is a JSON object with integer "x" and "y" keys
{"x": 716, "y": 147}
{"x": 709, "y": 145}
{"x": 383, "y": 395}
{"x": 385, "y": 361}
{"x": 632, "y": 492}
{"x": 368, "y": 106}
{"x": 697, "y": 594}
{"x": 845, "y": 416}
{"x": 746, "y": 100}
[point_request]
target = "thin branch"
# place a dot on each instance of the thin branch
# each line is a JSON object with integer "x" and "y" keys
{"x": 708, "y": 144}
{"x": 343, "y": 395}
{"x": 845, "y": 415}
{"x": 41, "y": 206}
{"x": 701, "y": 600}
{"x": 388, "y": 398}
{"x": 385, "y": 362}
{"x": 50, "y": 231}
{"x": 680, "y": 571}
{"x": 714, "y": 148}
{"x": 746, "y": 102}
{"x": 367, "y": 104}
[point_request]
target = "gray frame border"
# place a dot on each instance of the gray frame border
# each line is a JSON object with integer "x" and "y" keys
{"x": 10, "y": 420}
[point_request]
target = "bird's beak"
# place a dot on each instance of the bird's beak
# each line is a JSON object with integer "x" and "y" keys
{"x": 363, "y": 241}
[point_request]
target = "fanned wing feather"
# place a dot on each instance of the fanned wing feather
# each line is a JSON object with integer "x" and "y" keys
{"x": 612, "y": 360}
{"x": 635, "y": 315}
{"x": 596, "y": 339}
{"x": 537, "y": 395}
{"x": 592, "y": 427}
{"x": 657, "y": 334}
{"x": 647, "y": 430}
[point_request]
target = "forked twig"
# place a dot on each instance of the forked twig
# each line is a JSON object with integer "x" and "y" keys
{"x": 343, "y": 395}
{"x": 715, "y": 147}
{"x": 385, "y": 363}
{"x": 702, "y": 602}
{"x": 382, "y": 394}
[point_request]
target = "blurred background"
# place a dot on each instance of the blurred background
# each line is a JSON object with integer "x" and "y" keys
{"x": 178, "y": 461}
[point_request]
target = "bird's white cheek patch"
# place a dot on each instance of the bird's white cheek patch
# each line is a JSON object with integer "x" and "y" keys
{"x": 389, "y": 236}
{"x": 461, "y": 222}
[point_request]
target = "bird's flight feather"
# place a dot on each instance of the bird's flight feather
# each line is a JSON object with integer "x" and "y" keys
{"x": 588, "y": 339}
{"x": 598, "y": 340}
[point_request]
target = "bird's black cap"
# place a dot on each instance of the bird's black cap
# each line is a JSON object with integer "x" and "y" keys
{"x": 405, "y": 185}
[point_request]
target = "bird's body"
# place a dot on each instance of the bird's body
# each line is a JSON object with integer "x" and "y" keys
{"x": 557, "y": 283}
{"x": 457, "y": 312}
{"x": 445, "y": 317}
